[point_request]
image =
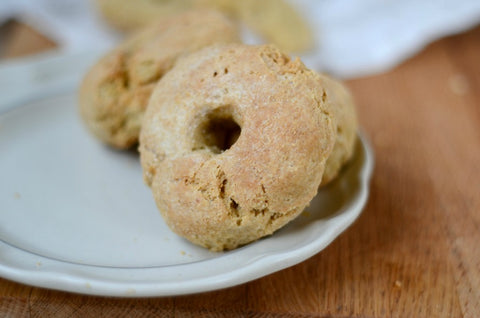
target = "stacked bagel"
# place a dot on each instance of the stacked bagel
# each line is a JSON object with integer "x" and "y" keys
{"x": 234, "y": 139}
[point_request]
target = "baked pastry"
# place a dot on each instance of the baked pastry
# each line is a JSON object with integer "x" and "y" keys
{"x": 129, "y": 15}
{"x": 275, "y": 20}
{"x": 347, "y": 125}
{"x": 234, "y": 143}
{"x": 115, "y": 92}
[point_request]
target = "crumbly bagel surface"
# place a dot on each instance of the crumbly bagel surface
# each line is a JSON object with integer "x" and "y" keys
{"x": 115, "y": 92}
{"x": 222, "y": 192}
{"x": 347, "y": 125}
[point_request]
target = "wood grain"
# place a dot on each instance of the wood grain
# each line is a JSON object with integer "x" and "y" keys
{"x": 18, "y": 39}
{"x": 414, "y": 250}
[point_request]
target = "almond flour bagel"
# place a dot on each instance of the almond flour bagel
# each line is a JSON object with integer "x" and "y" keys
{"x": 347, "y": 125}
{"x": 115, "y": 92}
{"x": 130, "y": 15}
{"x": 234, "y": 143}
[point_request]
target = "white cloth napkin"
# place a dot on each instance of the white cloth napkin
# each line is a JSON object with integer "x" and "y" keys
{"x": 75, "y": 25}
{"x": 353, "y": 37}
{"x": 363, "y": 37}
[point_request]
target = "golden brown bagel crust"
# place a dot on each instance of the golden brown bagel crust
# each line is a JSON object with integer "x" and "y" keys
{"x": 221, "y": 200}
{"x": 347, "y": 125}
{"x": 115, "y": 92}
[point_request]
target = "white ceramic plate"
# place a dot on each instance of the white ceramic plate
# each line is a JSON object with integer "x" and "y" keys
{"x": 76, "y": 216}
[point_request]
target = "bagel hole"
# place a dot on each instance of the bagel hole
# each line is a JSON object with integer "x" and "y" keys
{"x": 218, "y": 131}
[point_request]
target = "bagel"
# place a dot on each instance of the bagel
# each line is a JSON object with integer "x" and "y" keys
{"x": 347, "y": 125}
{"x": 276, "y": 21}
{"x": 234, "y": 143}
{"x": 115, "y": 92}
{"x": 130, "y": 15}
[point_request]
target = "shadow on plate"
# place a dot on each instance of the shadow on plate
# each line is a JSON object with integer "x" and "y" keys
{"x": 338, "y": 195}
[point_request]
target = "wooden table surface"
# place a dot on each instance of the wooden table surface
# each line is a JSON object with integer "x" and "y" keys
{"x": 414, "y": 251}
